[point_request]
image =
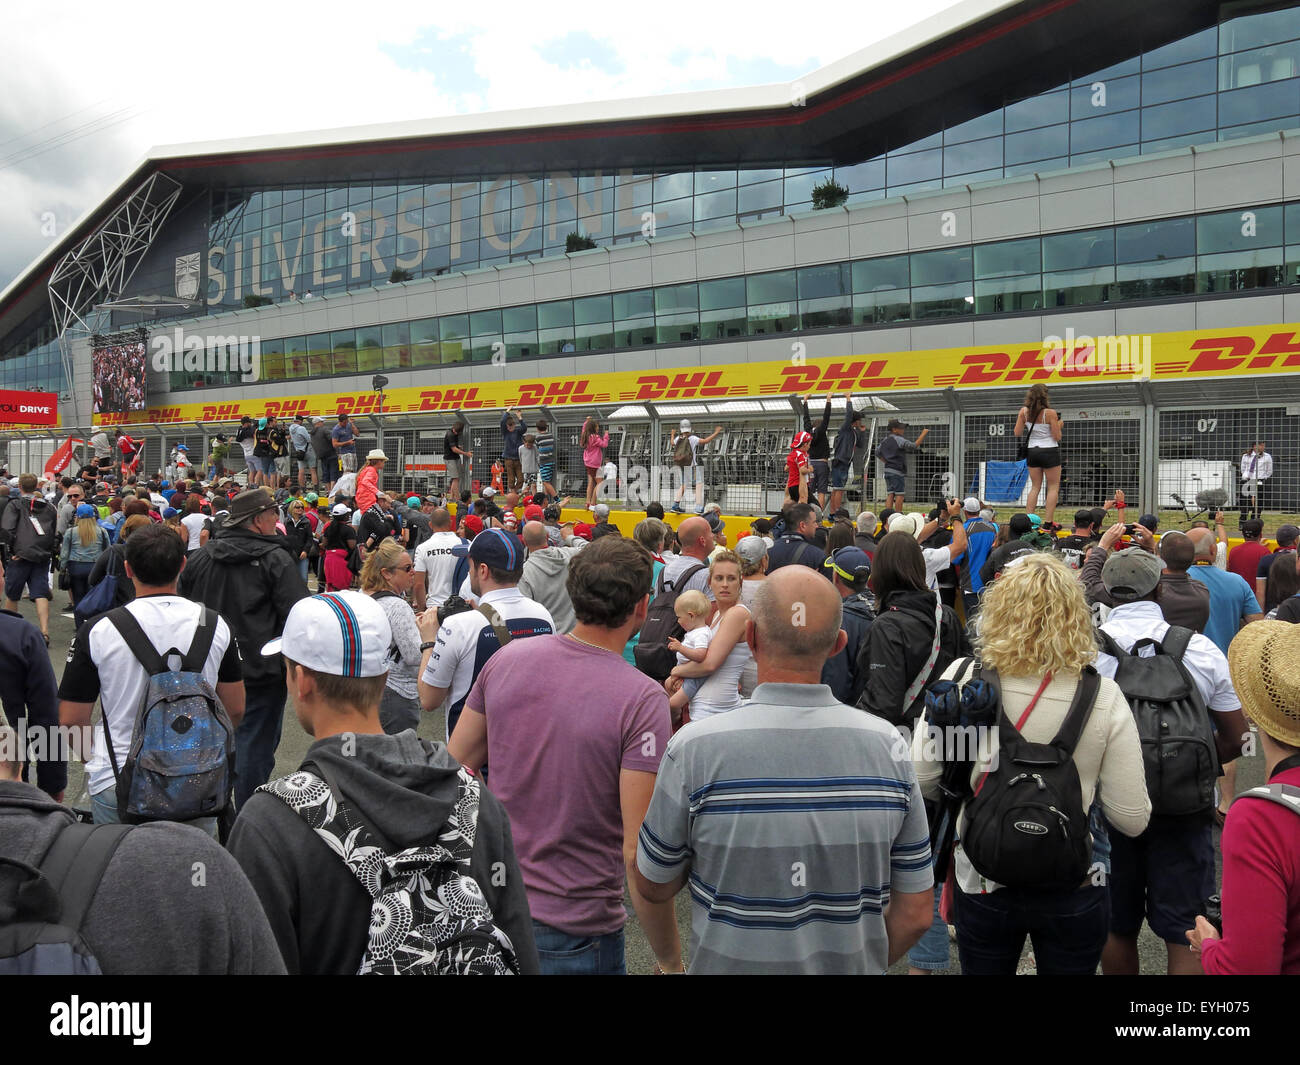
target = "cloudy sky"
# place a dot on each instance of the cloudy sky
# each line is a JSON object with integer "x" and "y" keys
{"x": 86, "y": 89}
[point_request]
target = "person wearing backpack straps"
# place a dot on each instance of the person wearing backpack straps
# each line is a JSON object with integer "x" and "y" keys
{"x": 685, "y": 572}
{"x": 1023, "y": 866}
{"x": 1189, "y": 718}
{"x": 331, "y": 849}
{"x": 1260, "y": 931}
{"x": 112, "y": 658}
{"x": 78, "y": 890}
{"x": 83, "y": 543}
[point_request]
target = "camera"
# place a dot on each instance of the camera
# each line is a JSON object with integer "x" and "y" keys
{"x": 1130, "y": 528}
{"x": 453, "y": 604}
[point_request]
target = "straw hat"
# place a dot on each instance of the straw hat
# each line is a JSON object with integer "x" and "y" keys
{"x": 1265, "y": 662}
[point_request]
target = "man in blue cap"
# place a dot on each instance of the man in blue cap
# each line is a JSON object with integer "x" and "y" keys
{"x": 848, "y": 568}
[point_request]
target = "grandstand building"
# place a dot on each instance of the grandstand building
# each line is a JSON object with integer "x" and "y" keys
{"x": 1100, "y": 195}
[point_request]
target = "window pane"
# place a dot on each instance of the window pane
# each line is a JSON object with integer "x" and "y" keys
{"x": 1038, "y": 111}
{"x": 519, "y": 319}
{"x": 1260, "y": 227}
{"x": 882, "y": 305}
{"x": 1169, "y": 238}
{"x": 722, "y": 323}
{"x": 1171, "y": 120}
{"x": 320, "y": 360}
{"x": 677, "y": 299}
{"x": 1240, "y": 270}
{"x": 633, "y": 306}
{"x": 863, "y": 176}
{"x": 1251, "y": 31}
{"x": 716, "y": 205}
{"x": 943, "y": 266}
{"x": 453, "y": 332}
{"x": 819, "y": 282}
{"x": 799, "y": 189}
{"x": 1007, "y": 257}
{"x": 592, "y": 310}
{"x": 770, "y": 288}
{"x": 707, "y": 181}
{"x": 556, "y": 315}
{"x": 485, "y": 323}
{"x": 1110, "y": 96}
{"x": 1037, "y": 144}
{"x": 1153, "y": 280}
{"x": 369, "y": 349}
{"x": 729, "y": 292}
{"x": 1259, "y": 66}
{"x": 424, "y": 342}
{"x": 1074, "y": 288}
{"x": 989, "y": 125}
{"x": 295, "y": 357}
{"x": 1107, "y": 131}
{"x": 1004, "y": 294}
{"x": 344, "y": 342}
{"x": 974, "y": 155}
{"x": 889, "y": 272}
{"x": 942, "y": 301}
{"x": 673, "y": 186}
{"x": 1177, "y": 83}
{"x": 397, "y": 346}
{"x": 1068, "y": 251}
{"x": 759, "y": 198}
{"x": 1263, "y": 101}
{"x": 920, "y": 166}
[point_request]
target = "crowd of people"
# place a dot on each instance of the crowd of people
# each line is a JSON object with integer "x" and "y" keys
{"x": 756, "y": 717}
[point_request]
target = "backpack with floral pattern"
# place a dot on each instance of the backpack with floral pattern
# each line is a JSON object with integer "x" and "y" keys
{"x": 428, "y": 915}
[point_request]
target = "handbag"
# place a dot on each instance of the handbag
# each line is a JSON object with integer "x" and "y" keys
{"x": 101, "y": 597}
{"x": 1022, "y": 443}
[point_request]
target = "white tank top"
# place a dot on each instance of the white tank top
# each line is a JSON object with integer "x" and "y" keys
{"x": 720, "y": 690}
{"x": 1040, "y": 433}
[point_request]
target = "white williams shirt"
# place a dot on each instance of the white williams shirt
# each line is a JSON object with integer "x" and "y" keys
{"x": 1256, "y": 467}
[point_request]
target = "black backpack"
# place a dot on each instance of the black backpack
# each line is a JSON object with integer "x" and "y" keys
{"x": 1027, "y": 827}
{"x": 652, "y": 655}
{"x": 47, "y": 906}
{"x": 1182, "y": 762}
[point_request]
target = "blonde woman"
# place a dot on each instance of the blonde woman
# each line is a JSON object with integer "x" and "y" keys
{"x": 728, "y": 651}
{"x": 387, "y": 577}
{"x": 1035, "y": 631}
{"x": 83, "y": 543}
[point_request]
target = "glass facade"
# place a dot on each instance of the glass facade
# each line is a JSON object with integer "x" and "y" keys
{"x": 272, "y": 244}
{"x": 1223, "y": 251}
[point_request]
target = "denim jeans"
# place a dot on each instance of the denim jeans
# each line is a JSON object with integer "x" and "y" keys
{"x": 303, "y": 565}
{"x": 103, "y": 806}
{"x": 397, "y": 713}
{"x": 1067, "y": 929}
{"x": 562, "y": 954}
{"x": 931, "y": 951}
{"x": 257, "y": 737}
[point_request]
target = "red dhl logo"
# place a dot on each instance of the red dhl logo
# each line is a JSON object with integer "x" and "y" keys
{"x": 680, "y": 386}
{"x": 838, "y": 376}
{"x": 222, "y": 412}
{"x": 1230, "y": 353}
{"x": 450, "y": 399}
{"x": 165, "y": 414}
{"x": 286, "y": 408}
{"x": 555, "y": 394}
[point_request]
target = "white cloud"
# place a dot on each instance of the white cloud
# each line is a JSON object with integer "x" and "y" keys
{"x": 241, "y": 69}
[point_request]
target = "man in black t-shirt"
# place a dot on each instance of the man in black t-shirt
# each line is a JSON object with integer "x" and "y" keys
{"x": 1074, "y": 547}
{"x": 457, "y": 457}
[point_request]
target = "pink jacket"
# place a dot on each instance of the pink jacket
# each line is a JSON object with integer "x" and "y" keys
{"x": 593, "y": 455}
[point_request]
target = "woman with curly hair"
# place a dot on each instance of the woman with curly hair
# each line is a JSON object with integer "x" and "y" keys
{"x": 1035, "y": 632}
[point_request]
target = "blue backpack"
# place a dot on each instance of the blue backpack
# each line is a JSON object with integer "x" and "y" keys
{"x": 182, "y": 758}
{"x": 102, "y": 597}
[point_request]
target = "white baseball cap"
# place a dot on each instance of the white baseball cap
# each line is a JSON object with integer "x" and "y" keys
{"x": 685, "y": 425}
{"x": 971, "y": 505}
{"x": 345, "y": 634}
{"x": 340, "y": 509}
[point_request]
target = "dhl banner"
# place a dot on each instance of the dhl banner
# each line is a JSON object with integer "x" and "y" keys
{"x": 1258, "y": 351}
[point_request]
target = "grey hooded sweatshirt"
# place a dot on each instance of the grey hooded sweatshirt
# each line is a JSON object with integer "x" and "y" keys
{"x": 404, "y": 787}
{"x": 544, "y": 581}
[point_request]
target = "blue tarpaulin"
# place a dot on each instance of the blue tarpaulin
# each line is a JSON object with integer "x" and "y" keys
{"x": 1004, "y": 482}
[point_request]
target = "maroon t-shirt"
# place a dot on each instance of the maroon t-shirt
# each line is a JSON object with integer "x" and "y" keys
{"x": 1243, "y": 560}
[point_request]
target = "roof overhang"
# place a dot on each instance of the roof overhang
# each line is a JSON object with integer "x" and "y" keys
{"x": 954, "y": 66}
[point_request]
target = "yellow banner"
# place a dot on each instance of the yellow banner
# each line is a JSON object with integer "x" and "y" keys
{"x": 1207, "y": 353}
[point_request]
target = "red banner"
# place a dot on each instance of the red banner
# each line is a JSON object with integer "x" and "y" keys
{"x": 60, "y": 459}
{"x": 29, "y": 408}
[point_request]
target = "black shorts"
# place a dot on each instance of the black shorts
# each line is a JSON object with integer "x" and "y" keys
{"x": 1164, "y": 875}
{"x": 1043, "y": 458}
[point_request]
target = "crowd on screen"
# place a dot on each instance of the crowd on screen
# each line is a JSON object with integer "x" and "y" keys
{"x": 636, "y": 705}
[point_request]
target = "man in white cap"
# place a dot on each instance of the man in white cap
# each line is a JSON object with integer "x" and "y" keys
{"x": 686, "y": 458}
{"x": 937, "y": 559}
{"x": 386, "y": 795}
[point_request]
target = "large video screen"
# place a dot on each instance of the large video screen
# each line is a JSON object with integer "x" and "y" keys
{"x": 118, "y": 370}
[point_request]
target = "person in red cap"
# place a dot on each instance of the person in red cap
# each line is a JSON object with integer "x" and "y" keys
{"x": 800, "y": 467}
